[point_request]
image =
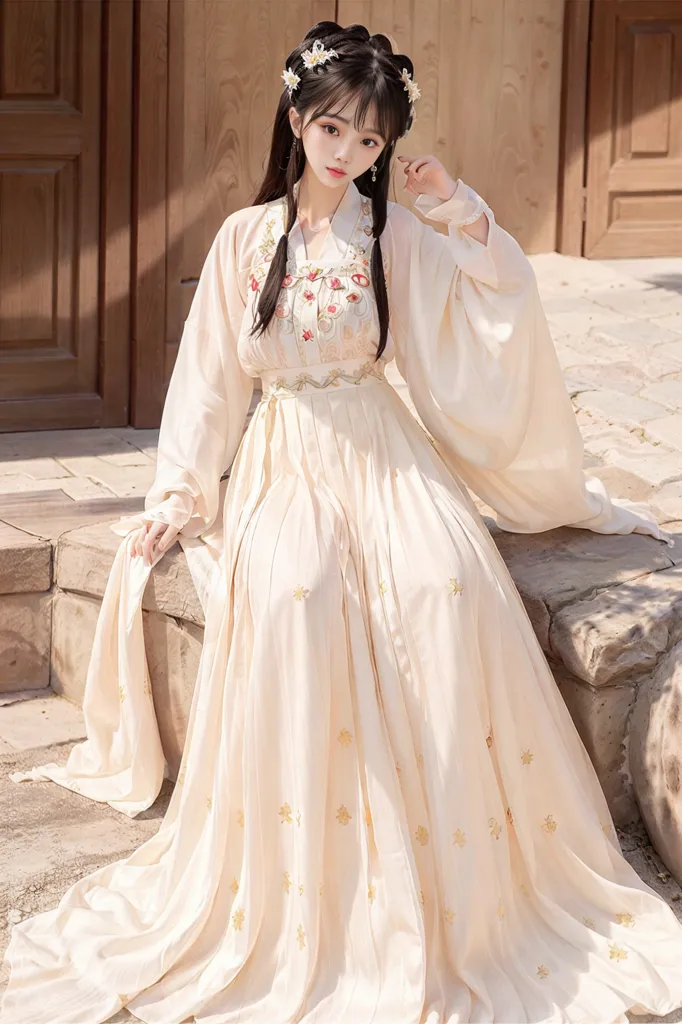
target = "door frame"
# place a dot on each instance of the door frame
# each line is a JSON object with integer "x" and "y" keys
{"x": 572, "y": 183}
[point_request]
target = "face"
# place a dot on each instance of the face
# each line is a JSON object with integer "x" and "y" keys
{"x": 336, "y": 152}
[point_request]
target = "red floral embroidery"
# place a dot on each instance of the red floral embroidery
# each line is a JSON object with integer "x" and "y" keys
{"x": 288, "y": 281}
{"x": 281, "y": 310}
{"x": 312, "y": 274}
{"x": 361, "y": 280}
{"x": 254, "y": 283}
{"x": 334, "y": 283}
{"x": 307, "y": 335}
{"x": 332, "y": 309}
{"x": 308, "y": 296}
{"x": 353, "y": 297}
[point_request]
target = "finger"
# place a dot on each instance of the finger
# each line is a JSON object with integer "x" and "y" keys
{"x": 420, "y": 167}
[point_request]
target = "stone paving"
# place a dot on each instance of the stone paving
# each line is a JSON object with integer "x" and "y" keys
{"x": 617, "y": 327}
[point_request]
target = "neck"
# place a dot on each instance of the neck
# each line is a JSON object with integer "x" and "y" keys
{"x": 317, "y": 203}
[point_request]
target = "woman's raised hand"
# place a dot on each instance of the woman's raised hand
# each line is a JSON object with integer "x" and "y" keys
{"x": 425, "y": 175}
{"x": 152, "y": 538}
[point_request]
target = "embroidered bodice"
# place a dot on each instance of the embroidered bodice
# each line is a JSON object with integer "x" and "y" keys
{"x": 326, "y": 311}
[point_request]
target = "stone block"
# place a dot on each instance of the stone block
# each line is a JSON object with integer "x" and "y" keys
{"x": 601, "y": 716}
{"x": 668, "y": 430}
{"x": 654, "y": 464}
{"x": 666, "y": 392}
{"x": 25, "y": 641}
{"x": 125, "y": 481}
{"x": 74, "y": 619}
{"x": 40, "y": 722}
{"x": 25, "y": 562}
{"x": 83, "y": 562}
{"x": 619, "y": 408}
{"x": 622, "y": 632}
{"x": 656, "y": 758}
{"x": 638, "y": 331}
{"x": 668, "y": 501}
{"x": 173, "y": 653}
{"x": 623, "y": 377}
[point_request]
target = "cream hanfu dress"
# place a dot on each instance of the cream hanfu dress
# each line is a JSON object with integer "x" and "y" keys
{"x": 384, "y": 813}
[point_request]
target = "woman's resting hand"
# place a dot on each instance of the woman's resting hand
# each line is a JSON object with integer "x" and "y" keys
{"x": 151, "y": 538}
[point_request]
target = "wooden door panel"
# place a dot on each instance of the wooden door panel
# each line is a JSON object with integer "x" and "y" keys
{"x": 54, "y": 81}
{"x": 634, "y": 150}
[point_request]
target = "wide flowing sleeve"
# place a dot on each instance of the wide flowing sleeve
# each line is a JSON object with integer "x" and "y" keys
{"x": 474, "y": 348}
{"x": 206, "y": 403}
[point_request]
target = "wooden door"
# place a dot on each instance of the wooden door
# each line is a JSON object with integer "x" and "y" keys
{"x": 634, "y": 129}
{"x": 64, "y": 212}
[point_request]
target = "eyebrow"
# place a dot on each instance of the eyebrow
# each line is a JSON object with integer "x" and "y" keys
{"x": 337, "y": 117}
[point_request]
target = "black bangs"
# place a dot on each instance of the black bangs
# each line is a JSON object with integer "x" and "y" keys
{"x": 389, "y": 110}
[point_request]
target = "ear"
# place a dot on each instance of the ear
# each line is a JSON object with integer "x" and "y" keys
{"x": 295, "y": 120}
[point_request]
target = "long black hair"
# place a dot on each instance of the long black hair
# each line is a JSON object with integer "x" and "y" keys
{"x": 366, "y": 69}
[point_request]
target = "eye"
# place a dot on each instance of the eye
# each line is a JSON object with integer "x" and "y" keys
{"x": 372, "y": 142}
{"x": 333, "y": 128}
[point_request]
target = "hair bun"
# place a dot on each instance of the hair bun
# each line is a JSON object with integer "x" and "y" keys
{"x": 382, "y": 42}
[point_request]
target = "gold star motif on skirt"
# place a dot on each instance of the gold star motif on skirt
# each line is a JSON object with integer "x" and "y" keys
{"x": 382, "y": 586}
{"x": 209, "y": 802}
{"x": 285, "y": 814}
{"x": 617, "y": 952}
{"x": 238, "y": 919}
{"x": 300, "y": 592}
{"x": 287, "y": 881}
{"x": 454, "y": 587}
{"x": 449, "y": 916}
{"x": 509, "y": 816}
{"x": 234, "y": 886}
{"x": 550, "y": 825}
{"x": 121, "y": 694}
{"x": 495, "y": 828}
{"x": 500, "y": 910}
{"x": 527, "y": 756}
{"x": 368, "y": 816}
{"x": 240, "y": 818}
{"x": 301, "y": 888}
{"x": 422, "y": 835}
{"x": 300, "y": 936}
{"x": 345, "y": 738}
{"x": 627, "y": 920}
{"x": 371, "y": 893}
{"x": 459, "y": 838}
{"x": 342, "y": 815}
{"x": 543, "y": 972}
{"x": 588, "y": 922}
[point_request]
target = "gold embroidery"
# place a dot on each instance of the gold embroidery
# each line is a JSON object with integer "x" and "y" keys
{"x": 371, "y": 893}
{"x": 500, "y": 910}
{"x": 422, "y": 835}
{"x": 421, "y": 897}
{"x": 75, "y": 787}
{"x": 342, "y": 815}
{"x": 305, "y": 379}
{"x": 181, "y": 778}
{"x": 146, "y": 689}
{"x": 209, "y": 802}
{"x": 121, "y": 693}
{"x": 368, "y": 816}
{"x": 240, "y": 818}
{"x": 588, "y": 922}
{"x": 617, "y": 952}
{"x": 285, "y": 814}
{"x": 549, "y": 824}
{"x": 382, "y": 584}
{"x": 300, "y": 592}
{"x": 398, "y": 769}
{"x": 287, "y": 881}
{"x": 420, "y": 760}
{"x": 495, "y": 828}
{"x": 459, "y": 838}
{"x": 301, "y": 888}
{"x": 627, "y": 920}
{"x": 523, "y": 889}
{"x": 345, "y": 738}
{"x": 234, "y": 886}
{"x": 489, "y": 739}
{"x": 449, "y": 916}
{"x": 527, "y": 756}
{"x": 300, "y": 936}
{"x": 509, "y": 816}
{"x": 238, "y": 919}
{"x": 298, "y": 818}
{"x": 543, "y": 972}
{"x": 606, "y": 828}
{"x": 454, "y": 586}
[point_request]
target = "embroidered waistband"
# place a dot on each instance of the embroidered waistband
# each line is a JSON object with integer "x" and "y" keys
{"x": 345, "y": 373}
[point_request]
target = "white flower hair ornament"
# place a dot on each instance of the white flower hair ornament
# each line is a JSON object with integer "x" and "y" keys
{"x": 312, "y": 58}
{"x": 413, "y": 93}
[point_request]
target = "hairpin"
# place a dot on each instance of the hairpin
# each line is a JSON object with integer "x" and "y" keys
{"x": 311, "y": 59}
{"x": 411, "y": 88}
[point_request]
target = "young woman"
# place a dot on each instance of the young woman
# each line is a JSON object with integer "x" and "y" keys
{"x": 384, "y": 814}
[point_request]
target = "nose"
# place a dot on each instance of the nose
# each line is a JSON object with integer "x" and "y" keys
{"x": 342, "y": 153}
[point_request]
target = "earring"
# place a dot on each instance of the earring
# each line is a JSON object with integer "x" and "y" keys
{"x": 374, "y": 172}
{"x": 294, "y": 146}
